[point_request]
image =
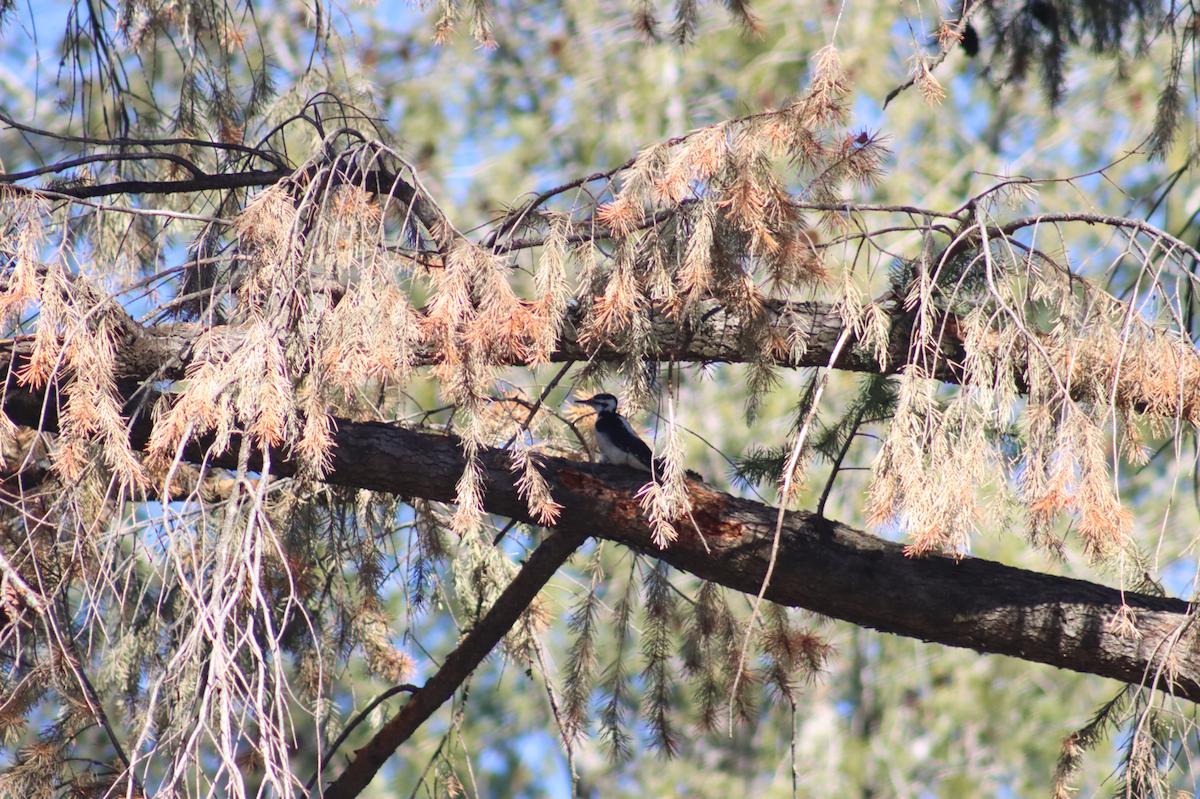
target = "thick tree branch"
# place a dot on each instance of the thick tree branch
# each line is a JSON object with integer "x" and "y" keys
{"x": 823, "y": 566}
{"x": 165, "y": 351}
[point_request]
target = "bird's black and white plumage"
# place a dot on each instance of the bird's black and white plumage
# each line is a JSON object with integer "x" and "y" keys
{"x": 619, "y": 443}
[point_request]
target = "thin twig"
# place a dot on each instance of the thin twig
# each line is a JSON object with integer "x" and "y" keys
{"x": 349, "y": 728}
{"x": 963, "y": 21}
{"x": 837, "y": 463}
{"x": 785, "y": 494}
{"x": 553, "y": 384}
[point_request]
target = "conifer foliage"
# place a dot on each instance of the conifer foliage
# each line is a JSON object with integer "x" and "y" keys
{"x": 286, "y": 457}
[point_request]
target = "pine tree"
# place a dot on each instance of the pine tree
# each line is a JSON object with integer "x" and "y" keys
{"x": 290, "y": 462}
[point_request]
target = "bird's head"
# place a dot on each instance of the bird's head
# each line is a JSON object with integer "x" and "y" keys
{"x": 601, "y": 403}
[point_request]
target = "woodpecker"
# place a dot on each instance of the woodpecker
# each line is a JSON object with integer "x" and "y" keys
{"x": 618, "y": 441}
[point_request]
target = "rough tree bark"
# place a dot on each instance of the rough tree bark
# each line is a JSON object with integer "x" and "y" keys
{"x": 823, "y": 566}
{"x": 166, "y": 351}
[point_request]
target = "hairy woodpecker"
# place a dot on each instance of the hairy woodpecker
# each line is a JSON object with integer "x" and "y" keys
{"x": 618, "y": 441}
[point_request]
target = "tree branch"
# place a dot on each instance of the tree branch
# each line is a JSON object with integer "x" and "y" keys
{"x": 123, "y": 142}
{"x": 539, "y": 567}
{"x": 218, "y": 182}
{"x": 63, "y": 166}
{"x": 165, "y": 351}
{"x": 823, "y": 566}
